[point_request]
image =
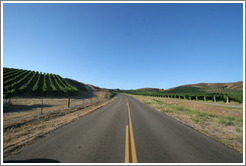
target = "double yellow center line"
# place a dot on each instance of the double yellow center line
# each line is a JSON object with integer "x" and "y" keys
{"x": 133, "y": 149}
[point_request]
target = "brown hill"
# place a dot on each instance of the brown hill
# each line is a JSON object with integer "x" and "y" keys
{"x": 151, "y": 89}
{"x": 212, "y": 86}
{"x": 96, "y": 88}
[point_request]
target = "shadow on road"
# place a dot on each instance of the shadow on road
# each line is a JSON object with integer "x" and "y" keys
{"x": 32, "y": 161}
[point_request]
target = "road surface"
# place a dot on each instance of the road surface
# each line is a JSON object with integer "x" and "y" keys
{"x": 127, "y": 130}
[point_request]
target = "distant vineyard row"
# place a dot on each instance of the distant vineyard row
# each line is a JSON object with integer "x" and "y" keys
{"x": 17, "y": 82}
{"x": 232, "y": 95}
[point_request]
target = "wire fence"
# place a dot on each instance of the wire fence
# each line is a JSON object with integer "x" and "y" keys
{"x": 21, "y": 108}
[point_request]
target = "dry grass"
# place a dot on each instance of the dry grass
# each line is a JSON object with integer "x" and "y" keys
{"x": 23, "y": 132}
{"x": 222, "y": 123}
{"x": 22, "y": 108}
{"x": 225, "y": 110}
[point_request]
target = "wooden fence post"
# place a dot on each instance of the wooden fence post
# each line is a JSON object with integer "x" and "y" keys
{"x": 204, "y": 98}
{"x": 227, "y": 99}
{"x": 68, "y": 104}
{"x": 42, "y": 106}
{"x": 214, "y": 99}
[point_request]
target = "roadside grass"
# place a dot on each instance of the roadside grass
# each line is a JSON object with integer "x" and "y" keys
{"x": 233, "y": 108}
{"x": 225, "y": 126}
{"x": 19, "y": 134}
{"x": 22, "y": 108}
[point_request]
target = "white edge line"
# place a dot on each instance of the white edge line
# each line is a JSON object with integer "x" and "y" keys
{"x": 243, "y": 2}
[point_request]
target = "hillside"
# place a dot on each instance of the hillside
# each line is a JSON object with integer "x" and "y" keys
{"x": 221, "y": 90}
{"x": 79, "y": 85}
{"x": 18, "y": 82}
{"x": 210, "y": 87}
{"x": 95, "y": 88}
{"x": 151, "y": 89}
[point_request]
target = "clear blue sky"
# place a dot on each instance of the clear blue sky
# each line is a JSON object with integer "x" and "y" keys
{"x": 127, "y": 46}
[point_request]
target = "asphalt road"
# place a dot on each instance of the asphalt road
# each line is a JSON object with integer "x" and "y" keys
{"x": 126, "y": 131}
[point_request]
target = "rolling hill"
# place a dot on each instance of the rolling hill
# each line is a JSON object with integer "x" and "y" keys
{"x": 208, "y": 88}
{"x": 211, "y": 87}
{"x": 18, "y": 82}
{"x": 151, "y": 89}
{"x": 233, "y": 90}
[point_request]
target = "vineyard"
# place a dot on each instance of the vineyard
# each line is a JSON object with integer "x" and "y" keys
{"x": 18, "y": 82}
{"x": 195, "y": 92}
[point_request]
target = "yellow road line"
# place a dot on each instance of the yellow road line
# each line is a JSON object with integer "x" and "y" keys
{"x": 127, "y": 146}
{"x": 134, "y": 155}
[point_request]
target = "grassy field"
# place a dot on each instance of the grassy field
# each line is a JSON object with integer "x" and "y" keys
{"x": 222, "y": 122}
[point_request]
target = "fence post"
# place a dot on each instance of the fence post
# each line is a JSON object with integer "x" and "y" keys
{"x": 196, "y": 98}
{"x": 204, "y": 98}
{"x": 42, "y": 105}
{"x": 214, "y": 99}
{"x": 227, "y": 99}
{"x": 68, "y": 104}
